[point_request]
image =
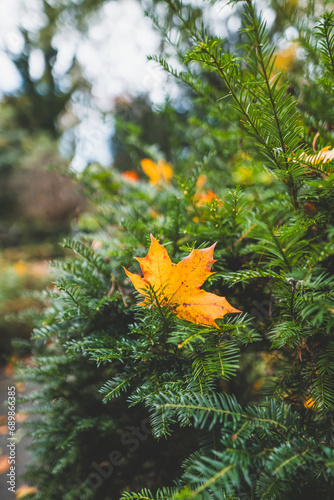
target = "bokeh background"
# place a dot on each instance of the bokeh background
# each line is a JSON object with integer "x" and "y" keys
{"x": 76, "y": 89}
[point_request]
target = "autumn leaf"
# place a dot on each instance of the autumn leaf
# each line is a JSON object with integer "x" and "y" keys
{"x": 201, "y": 198}
{"x": 323, "y": 156}
{"x": 4, "y": 464}
{"x": 25, "y": 490}
{"x": 130, "y": 176}
{"x": 158, "y": 173}
{"x": 204, "y": 198}
{"x": 177, "y": 286}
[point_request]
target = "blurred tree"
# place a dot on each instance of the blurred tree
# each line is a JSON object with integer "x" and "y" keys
{"x": 37, "y": 203}
{"x": 30, "y": 129}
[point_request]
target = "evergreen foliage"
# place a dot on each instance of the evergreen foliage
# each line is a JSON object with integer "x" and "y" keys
{"x": 247, "y": 407}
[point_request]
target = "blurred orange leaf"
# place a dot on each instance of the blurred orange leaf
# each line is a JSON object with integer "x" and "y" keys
{"x": 177, "y": 286}
{"x": 130, "y": 176}
{"x": 158, "y": 173}
{"x": 21, "y": 417}
{"x": 4, "y": 465}
{"x": 203, "y": 198}
{"x": 24, "y": 490}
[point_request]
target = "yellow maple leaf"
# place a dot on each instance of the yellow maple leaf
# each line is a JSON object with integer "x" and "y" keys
{"x": 177, "y": 286}
{"x": 161, "y": 172}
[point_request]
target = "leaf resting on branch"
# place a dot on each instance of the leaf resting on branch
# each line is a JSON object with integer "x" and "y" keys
{"x": 177, "y": 286}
